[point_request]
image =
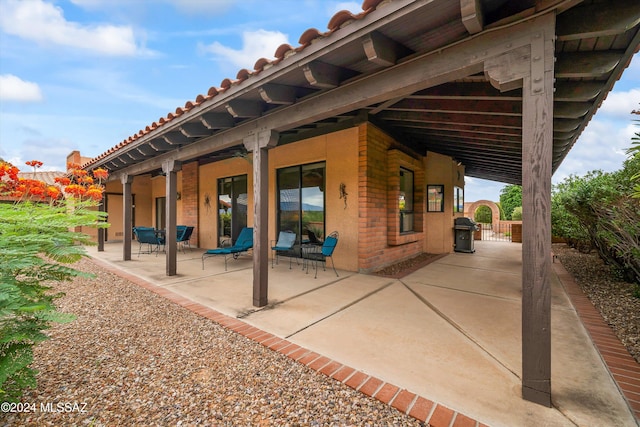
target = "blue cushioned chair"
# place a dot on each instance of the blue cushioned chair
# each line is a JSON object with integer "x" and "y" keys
{"x": 243, "y": 243}
{"x": 284, "y": 246}
{"x": 316, "y": 254}
{"x": 148, "y": 236}
{"x": 184, "y": 234}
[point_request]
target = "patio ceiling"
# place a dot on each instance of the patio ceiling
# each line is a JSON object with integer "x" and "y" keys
{"x": 355, "y": 71}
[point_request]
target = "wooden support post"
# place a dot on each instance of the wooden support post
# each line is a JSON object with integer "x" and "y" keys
{"x": 170, "y": 168}
{"x": 259, "y": 143}
{"x": 127, "y": 214}
{"x": 101, "y": 208}
{"x": 537, "y": 151}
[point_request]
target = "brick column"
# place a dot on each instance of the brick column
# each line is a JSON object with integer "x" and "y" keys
{"x": 189, "y": 199}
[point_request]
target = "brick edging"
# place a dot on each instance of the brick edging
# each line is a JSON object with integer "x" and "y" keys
{"x": 621, "y": 365}
{"x": 405, "y": 401}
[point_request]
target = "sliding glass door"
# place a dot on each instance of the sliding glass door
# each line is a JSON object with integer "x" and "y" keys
{"x": 301, "y": 204}
{"x": 232, "y": 208}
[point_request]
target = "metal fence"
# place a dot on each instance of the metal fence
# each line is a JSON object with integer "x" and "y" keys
{"x": 500, "y": 232}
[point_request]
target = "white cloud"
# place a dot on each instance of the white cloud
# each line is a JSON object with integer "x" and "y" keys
{"x": 620, "y": 104}
{"x": 255, "y": 45}
{"x": 13, "y": 88}
{"x": 45, "y": 23}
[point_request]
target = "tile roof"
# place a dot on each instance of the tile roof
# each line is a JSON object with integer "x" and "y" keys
{"x": 338, "y": 21}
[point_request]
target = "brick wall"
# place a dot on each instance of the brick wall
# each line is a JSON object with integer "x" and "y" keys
{"x": 378, "y": 202}
{"x": 190, "y": 198}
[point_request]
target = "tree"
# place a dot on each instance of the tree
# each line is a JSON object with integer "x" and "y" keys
{"x": 635, "y": 152}
{"x": 483, "y": 215}
{"x": 516, "y": 215}
{"x": 510, "y": 198}
{"x": 36, "y": 245}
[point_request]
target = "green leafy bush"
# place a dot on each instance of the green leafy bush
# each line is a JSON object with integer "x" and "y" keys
{"x": 35, "y": 245}
{"x": 37, "y": 242}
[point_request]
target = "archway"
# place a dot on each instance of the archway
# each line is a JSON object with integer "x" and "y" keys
{"x": 495, "y": 211}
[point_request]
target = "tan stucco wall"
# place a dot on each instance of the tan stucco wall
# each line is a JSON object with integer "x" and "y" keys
{"x": 442, "y": 170}
{"x": 340, "y": 152}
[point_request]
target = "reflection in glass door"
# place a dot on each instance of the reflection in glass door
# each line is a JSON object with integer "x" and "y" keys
{"x": 232, "y": 208}
{"x": 301, "y": 206}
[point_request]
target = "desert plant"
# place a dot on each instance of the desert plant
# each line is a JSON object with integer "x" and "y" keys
{"x": 36, "y": 246}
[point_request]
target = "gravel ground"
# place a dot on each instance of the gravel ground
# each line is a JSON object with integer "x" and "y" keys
{"x": 133, "y": 358}
{"x": 612, "y": 297}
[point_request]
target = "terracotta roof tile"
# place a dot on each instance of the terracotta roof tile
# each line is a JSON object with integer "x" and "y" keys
{"x": 243, "y": 74}
{"x": 260, "y": 64}
{"x": 308, "y": 36}
{"x": 340, "y": 18}
{"x": 282, "y": 50}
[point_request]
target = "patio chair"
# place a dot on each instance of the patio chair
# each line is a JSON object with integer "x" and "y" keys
{"x": 284, "y": 246}
{"x": 148, "y": 236}
{"x": 315, "y": 254}
{"x": 243, "y": 243}
{"x": 184, "y": 235}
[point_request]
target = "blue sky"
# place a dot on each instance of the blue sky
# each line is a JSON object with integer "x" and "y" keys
{"x": 86, "y": 74}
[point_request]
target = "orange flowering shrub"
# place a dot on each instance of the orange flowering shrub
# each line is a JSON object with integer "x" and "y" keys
{"x": 78, "y": 184}
{"x": 37, "y": 240}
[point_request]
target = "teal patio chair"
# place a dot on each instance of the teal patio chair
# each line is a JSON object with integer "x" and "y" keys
{"x": 184, "y": 235}
{"x": 315, "y": 254}
{"x": 284, "y": 247}
{"x": 148, "y": 236}
{"x": 243, "y": 243}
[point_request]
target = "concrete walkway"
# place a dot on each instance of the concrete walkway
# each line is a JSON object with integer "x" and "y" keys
{"x": 450, "y": 333}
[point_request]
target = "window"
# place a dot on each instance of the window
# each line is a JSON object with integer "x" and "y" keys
{"x": 232, "y": 207}
{"x": 435, "y": 198}
{"x": 405, "y": 200}
{"x": 458, "y": 200}
{"x": 301, "y": 200}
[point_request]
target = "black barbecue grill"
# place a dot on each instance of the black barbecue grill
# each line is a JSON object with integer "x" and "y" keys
{"x": 463, "y": 229}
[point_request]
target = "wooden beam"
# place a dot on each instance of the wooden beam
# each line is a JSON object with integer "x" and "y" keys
{"x": 127, "y": 215}
{"x": 472, "y": 16}
{"x": 244, "y": 109}
{"x": 577, "y": 91}
{"x": 587, "y": 64}
{"x": 176, "y": 138}
{"x": 322, "y": 75}
{"x": 260, "y": 143}
{"x": 598, "y": 20}
{"x": 160, "y": 144}
{"x": 537, "y": 160}
{"x": 278, "y": 94}
{"x": 570, "y": 110}
{"x": 195, "y": 130}
{"x": 382, "y": 50}
{"x": 468, "y": 90}
{"x": 494, "y": 107}
{"x": 451, "y": 119}
{"x": 217, "y": 120}
{"x": 563, "y": 125}
{"x": 170, "y": 169}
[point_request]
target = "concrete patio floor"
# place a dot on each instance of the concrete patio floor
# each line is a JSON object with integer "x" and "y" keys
{"x": 449, "y": 332}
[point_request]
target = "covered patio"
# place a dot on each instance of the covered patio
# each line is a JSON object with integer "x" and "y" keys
{"x": 450, "y": 333}
{"x": 488, "y": 88}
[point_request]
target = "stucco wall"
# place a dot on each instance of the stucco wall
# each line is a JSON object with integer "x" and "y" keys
{"x": 340, "y": 152}
{"x": 442, "y": 170}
